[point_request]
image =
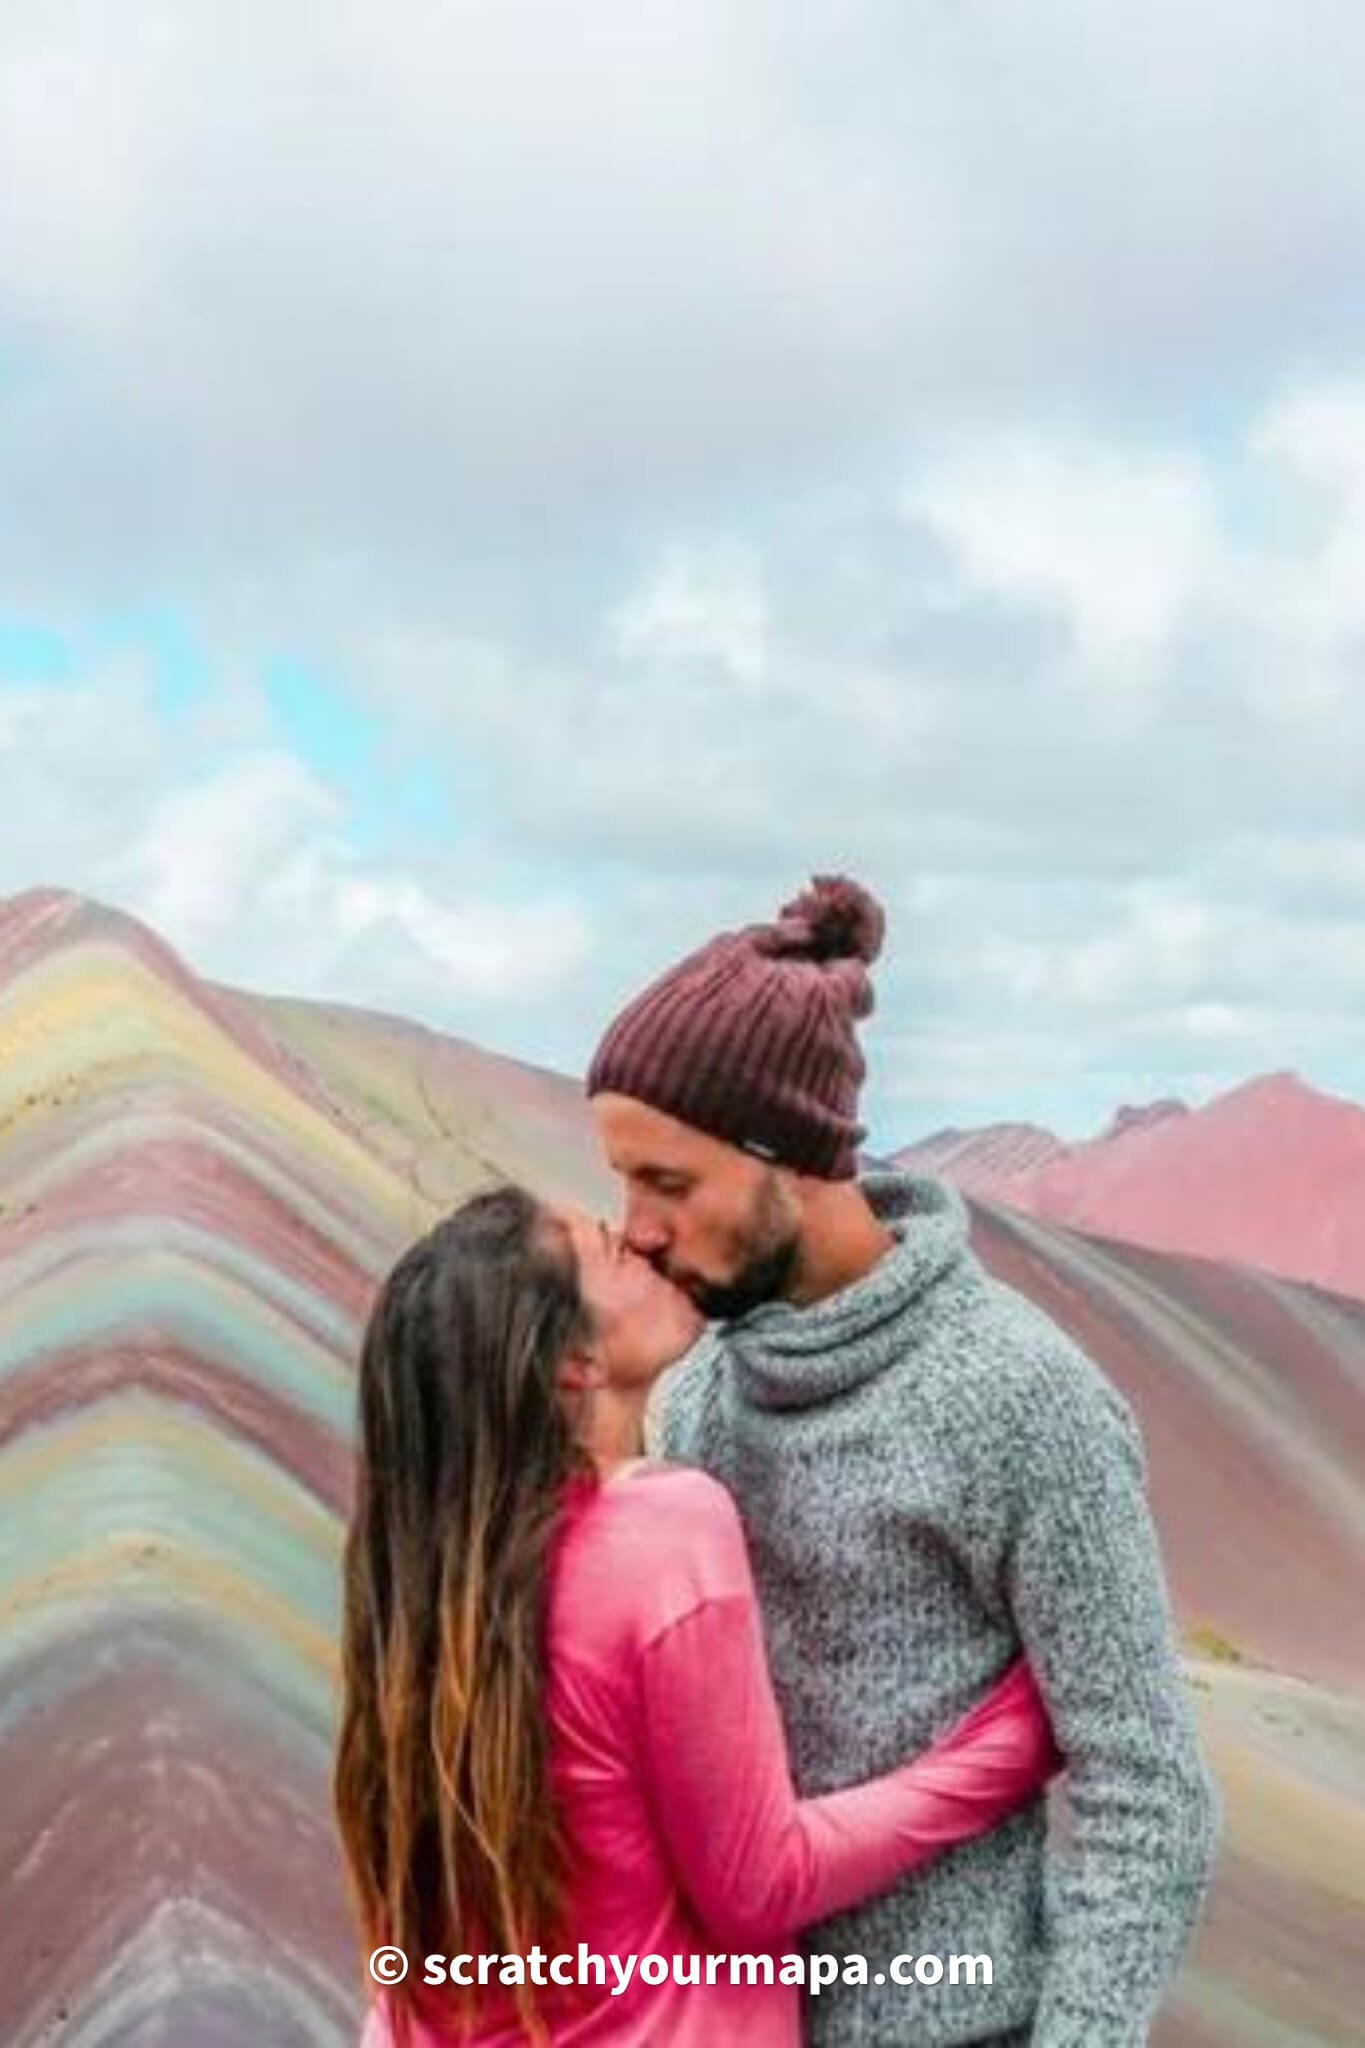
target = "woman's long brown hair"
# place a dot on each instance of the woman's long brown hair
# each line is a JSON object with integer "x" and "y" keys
{"x": 441, "y": 1777}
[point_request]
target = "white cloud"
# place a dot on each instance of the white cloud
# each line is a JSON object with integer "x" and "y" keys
{"x": 491, "y": 950}
{"x": 295, "y": 288}
{"x": 711, "y": 611}
{"x": 1119, "y": 540}
{"x": 1314, "y": 601}
{"x": 207, "y": 849}
{"x": 1161, "y": 944}
{"x": 246, "y": 861}
{"x": 1225, "y": 1023}
{"x": 1320, "y": 433}
{"x": 1326, "y": 868}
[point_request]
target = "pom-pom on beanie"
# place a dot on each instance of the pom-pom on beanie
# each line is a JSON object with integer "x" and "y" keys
{"x": 752, "y": 1037}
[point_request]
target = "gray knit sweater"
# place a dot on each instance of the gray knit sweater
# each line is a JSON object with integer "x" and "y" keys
{"x": 932, "y": 1476}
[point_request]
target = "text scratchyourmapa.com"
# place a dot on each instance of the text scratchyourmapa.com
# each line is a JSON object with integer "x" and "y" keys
{"x": 814, "y": 1972}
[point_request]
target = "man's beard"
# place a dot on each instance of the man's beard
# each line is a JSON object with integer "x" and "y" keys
{"x": 766, "y": 1277}
{"x": 766, "y": 1273}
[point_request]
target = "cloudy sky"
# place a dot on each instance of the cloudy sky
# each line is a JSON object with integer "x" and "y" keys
{"x": 493, "y": 493}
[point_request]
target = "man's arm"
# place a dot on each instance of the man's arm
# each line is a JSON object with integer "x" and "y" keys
{"x": 1086, "y": 1586}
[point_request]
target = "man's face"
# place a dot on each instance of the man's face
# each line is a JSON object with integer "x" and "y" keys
{"x": 722, "y": 1226}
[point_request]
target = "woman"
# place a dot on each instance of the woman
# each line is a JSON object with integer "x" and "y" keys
{"x": 558, "y": 1725}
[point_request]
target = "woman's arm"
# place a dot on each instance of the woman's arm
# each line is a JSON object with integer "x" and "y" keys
{"x": 757, "y": 1863}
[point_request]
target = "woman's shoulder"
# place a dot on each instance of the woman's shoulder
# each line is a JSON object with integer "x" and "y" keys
{"x": 666, "y": 1538}
{"x": 676, "y": 1487}
{"x": 667, "y": 1503}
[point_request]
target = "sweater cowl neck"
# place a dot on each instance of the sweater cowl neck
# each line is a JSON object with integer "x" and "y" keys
{"x": 789, "y": 1356}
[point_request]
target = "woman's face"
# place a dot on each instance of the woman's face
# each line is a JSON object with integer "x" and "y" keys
{"x": 642, "y": 1323}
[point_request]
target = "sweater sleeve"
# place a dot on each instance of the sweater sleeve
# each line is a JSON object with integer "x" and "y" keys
{"x": 1086, "y": 1586}
{"x": 756, "y": 1863}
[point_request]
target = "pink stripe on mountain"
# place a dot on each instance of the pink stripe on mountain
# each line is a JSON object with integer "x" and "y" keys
{"x": 1271, "y": 1175}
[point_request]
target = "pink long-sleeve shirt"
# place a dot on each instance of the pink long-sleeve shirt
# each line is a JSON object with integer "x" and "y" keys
{"x": 670, "y": 1767}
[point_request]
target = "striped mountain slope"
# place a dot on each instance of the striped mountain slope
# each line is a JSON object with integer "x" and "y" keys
{"x": 981, "y": 1161}
{"x": 1270, "y": 1174}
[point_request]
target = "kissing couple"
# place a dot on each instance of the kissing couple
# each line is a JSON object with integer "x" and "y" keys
{"x": 728, "y": 1584}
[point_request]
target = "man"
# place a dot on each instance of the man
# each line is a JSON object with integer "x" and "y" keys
{"x": 932, "y": 1476}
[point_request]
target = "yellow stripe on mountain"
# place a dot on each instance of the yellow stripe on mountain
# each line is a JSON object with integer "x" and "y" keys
{"x": 94, "y": 1016}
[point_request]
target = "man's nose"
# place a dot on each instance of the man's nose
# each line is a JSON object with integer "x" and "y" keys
{"x": 644, "y": 1233}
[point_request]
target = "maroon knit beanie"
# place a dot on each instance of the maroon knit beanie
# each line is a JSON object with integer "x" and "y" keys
{"x": 752, "y": 1037}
